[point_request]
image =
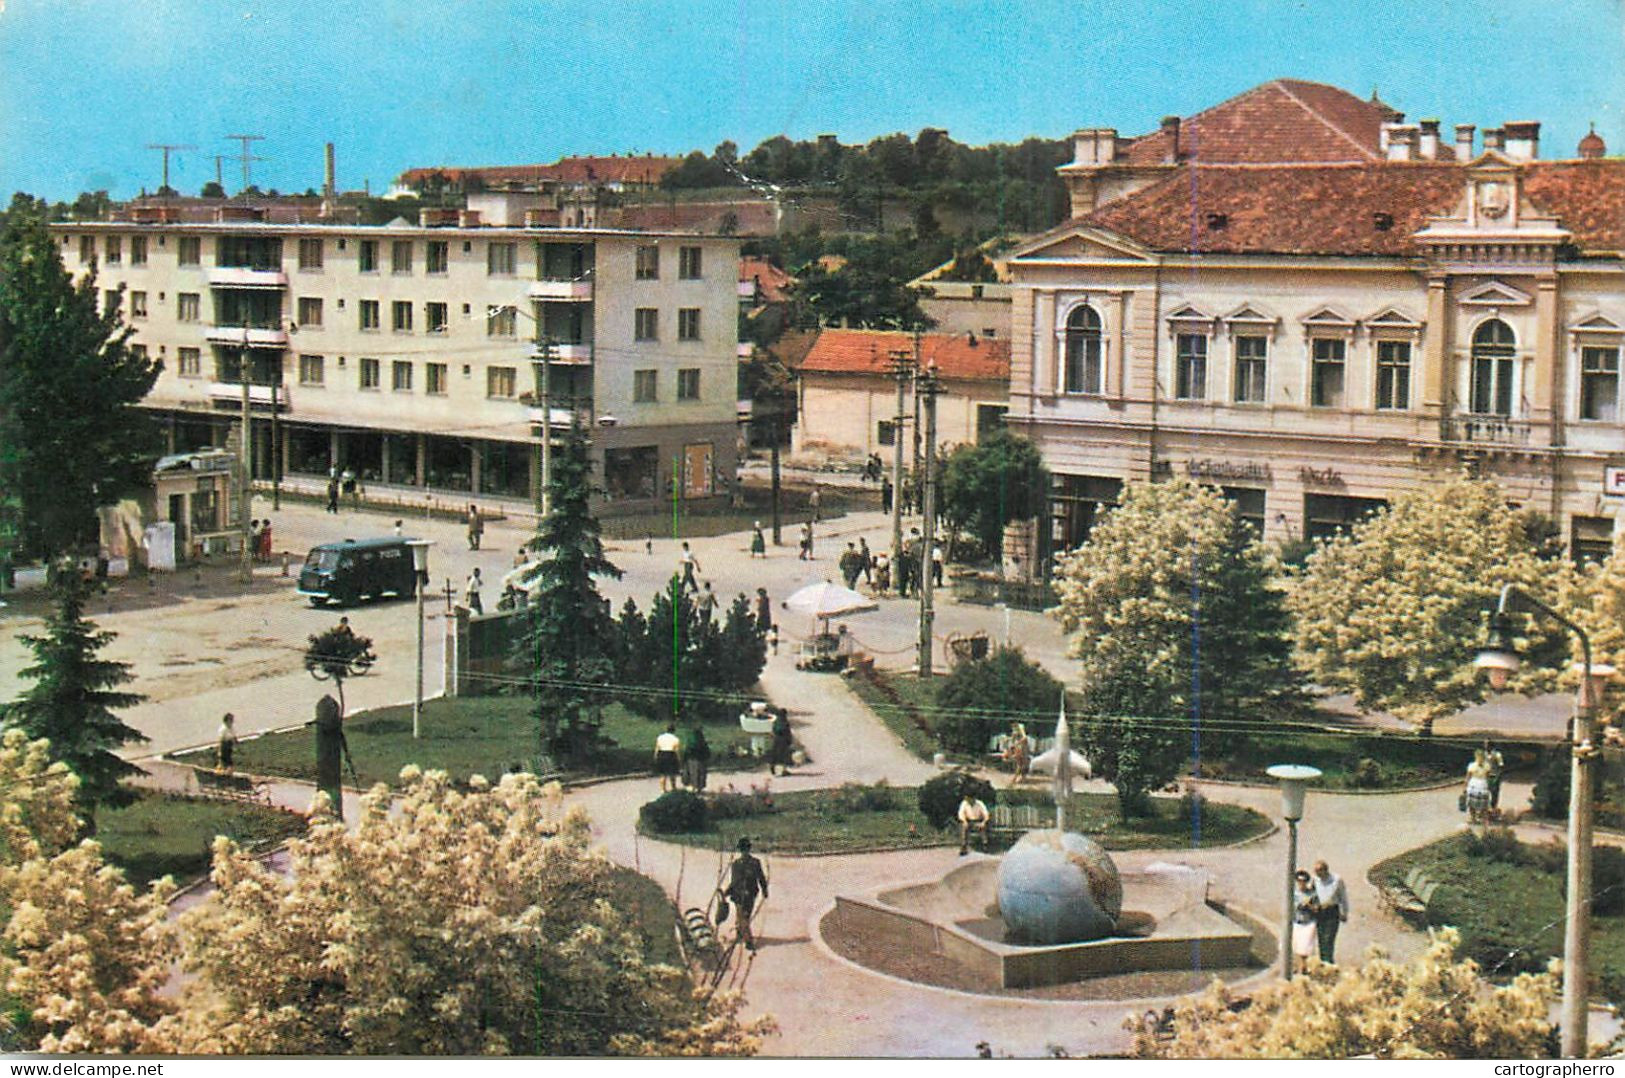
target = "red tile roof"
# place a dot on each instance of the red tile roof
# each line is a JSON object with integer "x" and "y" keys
{"x": 771, "y": 282}
{"x": 1332, "y": 209}
{"x": 957, "y": 356}
{"x": 1281, "y": 121}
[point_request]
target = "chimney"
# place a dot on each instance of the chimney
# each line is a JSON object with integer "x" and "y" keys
{"x": 1170, "y": 128}
{"x": 1428, "y": 147}
{"x": 1464, "y": 142}
{"x": 328, "y": 186}
{"x": 1402, "y": 139}
{"x": 1492, "y": 139}
{"x": 1522, "y": 139}
{"x": 1094, "y": 146}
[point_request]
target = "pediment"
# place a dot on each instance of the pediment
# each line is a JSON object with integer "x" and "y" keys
{"x": 1247, "y": 314}
{"x": 1496, "y": 294}
{"x": 1329, "y": 317}
{"x": 1392, "y": 318}
{"x": 1596, "y": 322}
{"x": 1078, "y": 242}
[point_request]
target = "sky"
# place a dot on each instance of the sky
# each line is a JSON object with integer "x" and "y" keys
{"x": 86, "y": 85}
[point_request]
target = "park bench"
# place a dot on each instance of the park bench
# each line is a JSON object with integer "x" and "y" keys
{"x": 230, "y": 785}
{"x": 1017, "y": 820}
{"x": 1409, "y": 900}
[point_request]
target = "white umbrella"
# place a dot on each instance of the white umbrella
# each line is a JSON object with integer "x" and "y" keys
{"x": 828, "y": 600}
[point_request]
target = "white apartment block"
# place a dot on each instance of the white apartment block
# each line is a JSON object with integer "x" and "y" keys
{"x": 409, "y": 354}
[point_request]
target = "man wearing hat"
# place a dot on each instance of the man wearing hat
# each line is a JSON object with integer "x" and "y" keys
{"x": 745, "y": 881}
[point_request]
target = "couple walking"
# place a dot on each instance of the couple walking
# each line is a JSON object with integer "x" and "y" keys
{"x": 1320, "y": 908}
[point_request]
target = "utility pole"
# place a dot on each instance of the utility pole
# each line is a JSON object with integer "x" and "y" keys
{"x": 773, "y": 455}
{"x": 927, "y": 386}
{"x": 901, "y": 370}
{"x": 166, "y": 147}
{"x": 245, "y": 567}
{"x": 247, "y": 155}
{"x": 276, "y": 445}
{"x": 544, "y": 377}
{"x": 919, "y": 366}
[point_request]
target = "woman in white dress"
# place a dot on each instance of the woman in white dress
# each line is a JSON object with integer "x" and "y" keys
{"x": 1478, "y": 788}
{"x": 1305, "y": 937}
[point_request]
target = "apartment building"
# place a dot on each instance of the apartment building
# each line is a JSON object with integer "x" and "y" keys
{"x": 408, "y": 353}
{"x": 1301, "y": 299}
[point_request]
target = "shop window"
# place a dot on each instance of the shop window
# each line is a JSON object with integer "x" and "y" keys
{"x": 1592, "y": 539}
{"x": 1326, "y": 515}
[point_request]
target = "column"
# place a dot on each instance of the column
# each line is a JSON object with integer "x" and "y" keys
{"x": 1546, "y": 394}
{"x": 1436, "y": 346}
{"x": 422, "y": 461}
{"x": 333, "y": 447}
{"x": 1117, "y": 359}
{"x": 383, "y": 454}
{"x": 1046, "y": 372}
{"x": 474, "y": 466}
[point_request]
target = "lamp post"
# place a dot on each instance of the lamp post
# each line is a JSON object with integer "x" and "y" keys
{"x": 1294, "y": 780}
{"x": 1499, "y": 658}
{"x": 420, "y": 573}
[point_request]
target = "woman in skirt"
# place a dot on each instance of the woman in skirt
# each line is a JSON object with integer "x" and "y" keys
{"x": 668, "y": 759}
{"x": 1305, "y": 937}
{"x": 1478, "y": 789}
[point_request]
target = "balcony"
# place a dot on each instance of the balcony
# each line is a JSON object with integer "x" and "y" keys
{"x": 247, "y": 277}
{"x": 1486, "y": 430}
{"x": 562, "y": 290}
{"x": 261, "y": 336}
{"x": 259, "y": 396}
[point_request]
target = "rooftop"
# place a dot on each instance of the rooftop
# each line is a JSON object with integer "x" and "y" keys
{"x": 956, "y": 356}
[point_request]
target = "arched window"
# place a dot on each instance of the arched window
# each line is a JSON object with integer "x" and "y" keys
{"x": 1085, "y": 372}
{"x": 1494, "y": 347}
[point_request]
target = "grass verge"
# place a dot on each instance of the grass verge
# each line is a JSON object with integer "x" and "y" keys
{"x": 167, "y": 835}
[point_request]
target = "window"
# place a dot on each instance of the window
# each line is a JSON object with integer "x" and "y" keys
{"x": 1599, "y": 384}
{"x": 434, "y": 380}
{"x": 1252, "y": 369}
{"x": 189, "y": 251}
{"x": 648, "y": 262}
{"x": 688, "y": 324}
{"x": 368, "y": 312}
{"x": 1249, "y": 506}
{"x": 138, "y": 305}
{"x": 886, "y": 432}
{"x": 688, "y": 263}
{"x": 310, "y": 254}
{"x": 312, "y": 370}
{"x": 1494, "y": 347}
{"x": 401, "y": 315}
{"x": 87, "y": 248}
{"x": 310, "y": 312}
{"x": 109, "y": 299}
{"x": 645, "y": 386}
{"x": 367, "y": 256}
{"x": 1190, "y": 367}
{"x": 500, "y": 259}
{"x": 187, "y": 306}
{"x": 434, "y": 317}
{"x": 502, "y": 322}
{"x": 115, "y": 250}
{"x": 436, "y": 258}
{"x": 500, "y": 381}
{"x": 688, "y": 384}
{"x": 1593, "y": 539}
{"x": 646, "y": 324}
{"x": 138, "y": 250}
{"x": 400, "y": 256}
{"x": 191, "y": 360}
{"x": 1085, "y": 373}
{"x": 1393, "y": 375}
{"x": 371, "y": 377}
{"x": 990, "y": 419}
{"x": 139, "y": 351}
{"x": 400, "y": 376}
{"x": 1326, "y": 372}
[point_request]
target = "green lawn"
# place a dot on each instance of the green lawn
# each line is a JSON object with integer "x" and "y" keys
{"x": 163, "y": 835}
{"x": 822, "y": 821}
{"x": 902, "y": 702}
{"x": 483, "y": 735}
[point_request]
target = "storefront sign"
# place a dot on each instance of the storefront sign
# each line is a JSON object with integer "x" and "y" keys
{"x": 1613, "y": 480}
{"x": 1226, "y": 469}
{"x": 1325, "y": 477}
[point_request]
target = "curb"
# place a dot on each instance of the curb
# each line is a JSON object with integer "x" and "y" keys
{"x": 1444, "y": 785}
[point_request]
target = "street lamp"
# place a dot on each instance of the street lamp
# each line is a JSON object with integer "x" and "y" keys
{"x": 1294, "y": 780}
{"x": 420, "y": 573}
{"x": 1498, "y": 658}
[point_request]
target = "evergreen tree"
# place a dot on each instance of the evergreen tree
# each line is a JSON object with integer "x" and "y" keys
{"x": 984, "y": 697}
{"x": 568, "y": 650}
{"x": 73, "y": 699}
{"x": 69, "y": 380}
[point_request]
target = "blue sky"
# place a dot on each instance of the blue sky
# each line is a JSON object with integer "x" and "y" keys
{"x": 86, "y": 84}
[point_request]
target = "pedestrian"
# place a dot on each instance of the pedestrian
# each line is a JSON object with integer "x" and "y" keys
{"x": 343, "y": 627}
{"x": 806, "y": 542}
{"x": 400, "y": 528}
{"x": 908, "y": 495}
{"x": 746, "y": 881}
{"x": 265, "y": 539}
{"x": 973, "y": 816}
{"x": 764, "y": 610}
{"x": 778, "y": 758}
{"x": 689, "y": 565}
{"x": 1478, "y": 788}
{"x": 773, "y": 638}
{"x": 696, "y": 758}
{"x": 352, "y": 489}
{"x": 332, "y": 494}
{"x": 851, "y": 565}
{"x": 649, "y": 545}
{"x": 707, "y": 601}
{"x": 868, "y": 560}
{"x": 885, "y": 495}
{"x": 476, "y": 527}
{"x": 882, "y": 572}
{"x": 668, "y": 757}
{"x": 1018, "y": 752}
{"x": 758, "y": 541}
{"x": 1305, "y": 908}
{"x": 814, "y": 501}
{"x": 254, "y": 539}
{"x": 1332, "y": 898}
{"x": 936, "y": 564}
{"x": 1497, "y": 763}
{"x": 471, "y": 592}
{"x": 227, "y": 746}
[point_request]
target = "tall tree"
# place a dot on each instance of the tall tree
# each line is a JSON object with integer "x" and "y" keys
{"x": 1393, "y": 611}
{"x": 69, "y": 383}
{"x": 994, "y": 482}
{"x": 73, "y": 699}
{"x": 567, "y": 649}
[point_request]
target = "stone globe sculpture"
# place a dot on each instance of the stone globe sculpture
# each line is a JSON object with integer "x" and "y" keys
{"x": 1058, "y": 887}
